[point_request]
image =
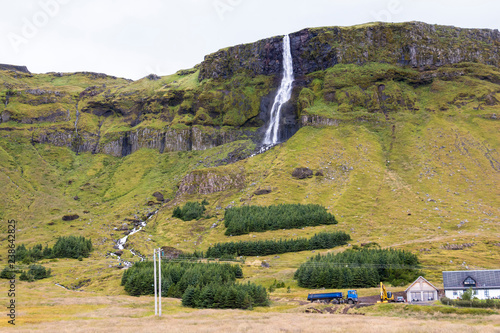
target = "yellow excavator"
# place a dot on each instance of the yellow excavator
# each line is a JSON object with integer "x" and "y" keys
{"x": 385, "y": 296}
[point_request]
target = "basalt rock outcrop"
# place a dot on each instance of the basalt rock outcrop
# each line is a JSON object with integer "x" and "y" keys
{"x": 22, "y": 69}
{"x": 125, "y": 143}
{"x": 211, "y": 181}
{"x": 413, "y": 44}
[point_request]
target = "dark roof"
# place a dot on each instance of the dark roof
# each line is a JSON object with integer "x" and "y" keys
{"x": 484, "y": 279}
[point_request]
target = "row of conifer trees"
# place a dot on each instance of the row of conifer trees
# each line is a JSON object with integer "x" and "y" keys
{"x": 204, "y": 285}
{"x": 246, "y": 219}
{"x": 228, "y": 296}
{"x": 358, "y": 268}
{"x": 323, "y": 240}
{"x": 65, "y": 247}
{"x": 192, "y": 210}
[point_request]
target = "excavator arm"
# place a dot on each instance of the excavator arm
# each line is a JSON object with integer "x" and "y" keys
{"x": 385, "y": 296}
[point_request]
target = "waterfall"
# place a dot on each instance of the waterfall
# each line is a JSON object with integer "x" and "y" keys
{"x": 121, "y": 242}
{"x": 76, "y": 120}
{"x": 283, "y": 95}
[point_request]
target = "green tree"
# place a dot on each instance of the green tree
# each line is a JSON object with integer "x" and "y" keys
{"x": 7, "y": 273}
{"x": 189, "y": 297}
{"x": 177, "y": 212}
{"x": 468, "y": 295}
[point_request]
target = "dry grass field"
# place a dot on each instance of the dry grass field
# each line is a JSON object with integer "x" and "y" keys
{"x": 44, "y": 307}
{"x": 237, "y": 321}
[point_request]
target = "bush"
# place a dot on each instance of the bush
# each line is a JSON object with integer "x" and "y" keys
{"x": 277, "y": 285}
{"x": 245, "y": 219}
{"x": 474, "y": 303}
{"x": 468, "y": 295}
{"x": 190, "y": 211}
{"x": 39, "y": 272}
{"x": 7, "y": 273}
{"x": 28, "y": 256}
{"x": 72, "y": 247}
{"x": 25, "y": 277}
{"x": 324, "y": 240}
{"x": 358, "y": 269}
{"x": 65, "y": 247}
{"x": 35, "y": 272}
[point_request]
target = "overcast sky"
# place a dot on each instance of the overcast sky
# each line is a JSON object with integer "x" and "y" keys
{"x": 131, "y": 38}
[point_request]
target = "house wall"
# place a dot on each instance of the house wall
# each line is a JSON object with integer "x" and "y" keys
{"x": 480, "y": 293}
{"x": 421, "y": 292}
{"x": 453, "y": 294}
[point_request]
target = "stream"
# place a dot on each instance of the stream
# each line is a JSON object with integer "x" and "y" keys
{"x": 120, "y": 244}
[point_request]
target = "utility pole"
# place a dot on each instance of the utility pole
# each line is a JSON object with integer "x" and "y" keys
{"x": 154, "y": 265}
{"x": 159, "y": 278}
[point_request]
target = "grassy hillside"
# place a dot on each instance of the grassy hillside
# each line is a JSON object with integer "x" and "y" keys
{"x": 404, "y": 157}
{"x": 432, "y": 189}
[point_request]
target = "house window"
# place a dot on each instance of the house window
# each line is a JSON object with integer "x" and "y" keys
{"x": 455, "y": 293}
{"x": 469, "y": 282}
{"x": 486, "y": 293}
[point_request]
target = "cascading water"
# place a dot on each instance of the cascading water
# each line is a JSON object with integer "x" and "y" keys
{"x": 121, "y": 242}
{"x": 283, "y": 95}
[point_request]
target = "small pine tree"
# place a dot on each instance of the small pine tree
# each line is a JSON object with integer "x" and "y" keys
{"x": 21, "y": 253}
{"x": 189, "y": 297}
{"x": 26, "y": 277}
{"x": 177, "y": 212}
{"x": 231, "y": 296}
{"x": 246, "y": 302}
{"x": 47, "y": 253}
{"x": 7, "y": 273}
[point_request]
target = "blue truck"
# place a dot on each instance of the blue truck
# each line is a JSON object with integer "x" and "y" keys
{"x": 350, "y": 298}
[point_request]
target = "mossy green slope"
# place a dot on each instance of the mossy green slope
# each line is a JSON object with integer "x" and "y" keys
{"x": 408, "y": 159}
{"x": 419, "y": 196}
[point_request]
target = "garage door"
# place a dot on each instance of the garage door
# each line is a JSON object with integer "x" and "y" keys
{"x": 428, "y": 295}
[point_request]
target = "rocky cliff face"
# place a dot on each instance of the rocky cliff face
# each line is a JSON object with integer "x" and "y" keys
{"x": 211, "y": 181}
{"x": 125, "y": 143}
{"x": 229, "y": 95}
{"x": 22, "y": 69}
{"x": 263, "y": 57}
{"x": 412, "y": 44}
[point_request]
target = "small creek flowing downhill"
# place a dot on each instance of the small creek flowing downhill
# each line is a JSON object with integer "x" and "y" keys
{"x": 121, "y": 242}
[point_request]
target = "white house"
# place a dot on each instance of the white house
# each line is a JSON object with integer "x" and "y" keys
{"x": 421, "y": 291}
{"x": 485, "y": 283}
